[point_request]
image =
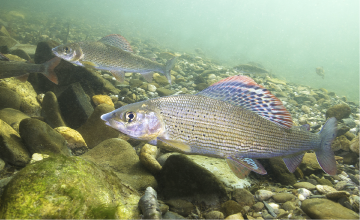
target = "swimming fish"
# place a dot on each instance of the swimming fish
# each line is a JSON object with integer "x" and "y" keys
{"x": 320, "y": 71}
{"x": 235, "y": 119}
{"x": 21, "y": 70}
{"x": 112, "y": 53}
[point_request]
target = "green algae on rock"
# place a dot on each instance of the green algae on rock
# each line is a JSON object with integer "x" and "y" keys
{"x": 67, "y": 187}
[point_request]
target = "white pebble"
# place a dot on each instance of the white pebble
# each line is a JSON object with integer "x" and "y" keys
{"x": 151, "y": 88}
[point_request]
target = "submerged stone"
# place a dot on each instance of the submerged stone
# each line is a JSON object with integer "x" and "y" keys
{"x": 67, "y": 187}
{"x": 51, "y": 110}
{"x": 12, "y": 117}
{"x": 9, "y": 99}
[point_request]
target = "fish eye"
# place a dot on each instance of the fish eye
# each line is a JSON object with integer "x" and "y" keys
{"x": 130, "y": 116}
{"x": 66, "y": 50}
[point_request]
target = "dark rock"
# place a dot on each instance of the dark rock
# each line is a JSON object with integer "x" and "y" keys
{"x": 339, "y": 111}
{"x": 75, "y": 106}
{"x": 231, "y": 207}
{"x": 350, "y": 158}
{"x": 4, "y": 50}
{"x": 12, "y": 117}
{"x": 94, "y": 130}
{"x": 180, "y": 176}
{"x": 327, "y": 209}
{"x": 180, "y": 206}
{"x": 283, "y": 197}
{"x": 119, "y": 155}
{"x": 67, "y": 187}
{"x": 135, "y": 83}
{"x": 305, "y": 185}
{"x": 21, "y": 53}
{"x": 172, "y": 215}
{"x": 281, "y": 172}
{"x": 51, "y": 111}
{"x": 164, "y": 92}
{"x": 243, "y": 197}
{"x": 12, "y": 149}
{"x": 7, "y": 41}
{"x": 161, "y": 80}
{"x": 201, "y": 86}
{"x": 9, "y": 99}
{"x": 288, "y": 206}
{"x": 258, "y": 206}
{"x": 44, "y": 52}
{"x": 41, "y": 138}
{"x": 309, "y": 164}
{"x": 214, "y": 215}
{"x": 341, "y": 129}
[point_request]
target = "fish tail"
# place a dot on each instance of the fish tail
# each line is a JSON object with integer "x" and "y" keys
{"x": 49, "y": 69}
{"x": 324, "y": 154}
{"x": 169, "y": 65}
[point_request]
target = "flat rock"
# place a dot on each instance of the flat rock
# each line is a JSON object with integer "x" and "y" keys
{"x": 179, "y": 172}
{"x": 41, "y": 138}
{"x": 9, "y": 99}
{"x": 29, "y": 104}
{"x": 327, "y": 209}
{"x": 68, "y": 187}
{"x": 94, "y": 130}
{"x": 75, "y": 106}
{"x": 27, "y": 48}
{"x": 325, "y": 189}
{"x": 164, "y": 92}
{"x": 12, "y": 149}
{"x": 305, "y": 185}
{"x": 119, "y": 155}
{"x": 337, "y": 195}
{"x": 283, "y": 197}
{"x": 12, "y": 117}
{"x": 51, "y": 111}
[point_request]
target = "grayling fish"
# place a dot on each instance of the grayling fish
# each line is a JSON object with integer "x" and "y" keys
{"x": 235, "y": 119}
{"x": 112, "y": 53}
{"x": 21, "y": 70}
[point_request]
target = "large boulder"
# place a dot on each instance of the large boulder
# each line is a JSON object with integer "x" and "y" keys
{"x": 67, "y": 187}
{"x": 12, "y": 117}
{"x": 339, "y": 111}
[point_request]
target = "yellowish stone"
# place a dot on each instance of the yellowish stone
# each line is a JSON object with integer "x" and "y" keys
{"x": 102, "y": 99}
{"x": 73, "y": 137}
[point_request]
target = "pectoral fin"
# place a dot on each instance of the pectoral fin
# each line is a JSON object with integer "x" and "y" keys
{"x": 176, "y": 145}
{"x": 119, "y": 75}
{"x": 148, "y": 76}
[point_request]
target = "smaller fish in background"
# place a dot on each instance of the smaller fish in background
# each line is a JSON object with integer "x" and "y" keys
{"x": 114, "y": 54}
{"x": 320, "y": 71}
{"x": 21, "y": 70}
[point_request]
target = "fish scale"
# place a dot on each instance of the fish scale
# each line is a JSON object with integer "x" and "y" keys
{"x": 223, "y": 129}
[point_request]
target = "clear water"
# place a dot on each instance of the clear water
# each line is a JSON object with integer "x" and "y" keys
{"x": 291, "y": 38}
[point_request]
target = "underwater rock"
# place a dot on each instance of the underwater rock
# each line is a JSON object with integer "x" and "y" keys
{"x": 29, "y": 104}
{"x": 135, "y": 83}
{"x": 231, "y": 207}
{"x": 180, "y": 206}
{"x": 7, "y": 41}
{"x": 339, "y": 111}
{"x": 354, "y": 145}
{"x": 309, "y": 164}
{"x": 344, "y": 143}
{"x": 324, "y": 189}
{"x": 9, "y": 99}
{"x": 243, "y": 197}
{"x": 2, "y": 164}
{"x": 51, "y": 111}
{"x": 147, "y": 158}
{"x": 283, "y": 197}
{"x": 94, "y": 130}
{"x": 327, "y": 209}
{"x": 161, "y": 80}
{"x": 337, "y": 195}
{"x": 201, "y": 86}
{"x": 214, "y": 215}
{"x": 12, "y": 117}
{"x": 237, "y": 216}
{"x": 41, "y": 138}
{"x": 68, "y": 187}
{"x": 102, "y": 99}
{"x": 172, "y": 215}
{"x": 306, "y": 109}
{"x": 119, "y": 155}
{"x": 149, "y": 205}
{"x": 164, "y": 92}
{"x": 262, "y": 195}
{"x": 75, "y": 106}
{"x": 303, "y": 193}
{"x": 350, "y": 158}
{"x": 21, "y": 53}
{"x": 258, "y": 206}
{"x": 305, "y": 185}
{"x": 288, "y": 206}
{"x": 3, "y": 31}
{"x": 179, "y": 172}
{"x": 281, "y": 172}
{"x": 12, "y": 149}
{"x": 29, "y": 49}
{"x": 151, "y": 87}
{"x": 74, "y": 140}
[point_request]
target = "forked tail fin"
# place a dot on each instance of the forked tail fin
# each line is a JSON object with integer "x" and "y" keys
{"x": 49, "y": 69}
{"x": 324, "y": 154}
{"x": 169, "y": 65}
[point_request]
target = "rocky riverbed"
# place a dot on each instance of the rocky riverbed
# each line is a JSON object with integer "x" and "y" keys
{"x": 59, "y": 160}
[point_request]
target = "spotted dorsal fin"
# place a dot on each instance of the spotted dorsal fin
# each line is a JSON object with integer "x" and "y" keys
{"x": 116, "y": 40}
{"x": 245, "y": 92}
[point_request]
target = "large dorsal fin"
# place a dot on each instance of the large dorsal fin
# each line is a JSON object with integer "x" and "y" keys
{"x": 116, "y": 40}
{"x": 243, "y": 91}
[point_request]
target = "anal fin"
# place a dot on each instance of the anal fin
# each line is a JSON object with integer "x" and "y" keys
{"x": 119, "y": 75}
{"x": 148, "y": 76}
{"x": 293, "y": 162}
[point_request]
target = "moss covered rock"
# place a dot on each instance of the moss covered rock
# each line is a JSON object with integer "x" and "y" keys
{"x": 339, "y": 111}
{"x": 67, "y": 187}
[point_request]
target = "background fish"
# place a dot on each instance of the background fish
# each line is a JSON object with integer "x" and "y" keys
{"x": 21, "y": 70}
{"x": 112, "y": 53}
{"x": 235, "y": 119}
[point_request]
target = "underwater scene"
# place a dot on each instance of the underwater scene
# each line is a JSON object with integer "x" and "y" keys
{"x": 181, "y": 109}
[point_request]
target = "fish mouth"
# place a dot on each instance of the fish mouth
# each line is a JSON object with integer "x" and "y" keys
{"x": 54, "y": 51}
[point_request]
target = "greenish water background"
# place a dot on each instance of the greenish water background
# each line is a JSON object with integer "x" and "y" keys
{"x": 290, "y": 37}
